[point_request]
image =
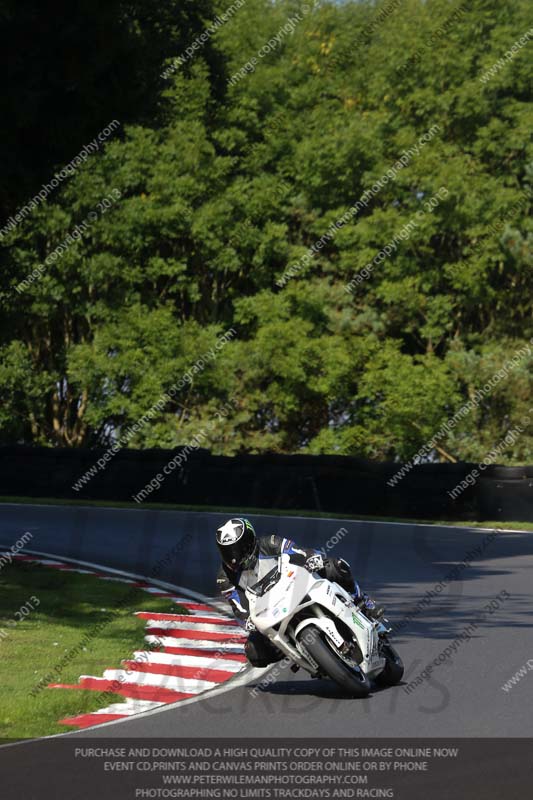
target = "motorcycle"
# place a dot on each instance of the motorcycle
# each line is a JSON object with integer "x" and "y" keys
{"x": 320, "y": 628}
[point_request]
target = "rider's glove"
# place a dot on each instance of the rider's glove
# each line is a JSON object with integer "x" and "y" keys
{"x": 314, "y": 563}
{"x": 249, "y": 625}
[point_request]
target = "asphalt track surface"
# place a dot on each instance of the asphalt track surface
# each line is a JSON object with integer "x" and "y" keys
{"x": 396, "y": 563}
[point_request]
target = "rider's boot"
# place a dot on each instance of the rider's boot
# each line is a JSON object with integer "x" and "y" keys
{"x": 367, "y": 605}
{"x": 371, "y": 610}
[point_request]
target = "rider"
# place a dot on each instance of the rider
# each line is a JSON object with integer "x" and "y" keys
{"x": 246, "y": 559}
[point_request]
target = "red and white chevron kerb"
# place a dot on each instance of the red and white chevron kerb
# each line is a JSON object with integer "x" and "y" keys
{"x": 196, "y": 652}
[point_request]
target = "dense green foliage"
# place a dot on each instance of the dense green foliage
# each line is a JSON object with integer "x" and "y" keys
{"x": 72, "y": 68}
{"x": 229, "y": 184}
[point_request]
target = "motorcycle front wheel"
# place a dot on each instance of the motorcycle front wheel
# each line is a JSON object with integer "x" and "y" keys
{"x": 393, "y": 669}
{"x": 351, "y": 679}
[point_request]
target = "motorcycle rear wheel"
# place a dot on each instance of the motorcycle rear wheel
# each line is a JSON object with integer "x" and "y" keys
{"x": 352, "y": 680}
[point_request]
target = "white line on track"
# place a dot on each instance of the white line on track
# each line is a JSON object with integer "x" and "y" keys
{"x": 148, "y": 657}
{"x": 129, "y": 708}
{"x": 205, "y": 627}
{"x": 197, "y": 644}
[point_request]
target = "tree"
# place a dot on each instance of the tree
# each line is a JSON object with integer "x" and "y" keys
{"x": 356, "y": 204}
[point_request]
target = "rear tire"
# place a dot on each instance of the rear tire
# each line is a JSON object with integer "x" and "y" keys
{"x": 353, "y": 681}
{"x": 393, "y": 670}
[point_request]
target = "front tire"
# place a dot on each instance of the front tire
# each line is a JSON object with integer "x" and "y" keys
{"x": 352, "y": 680}
{"x": 393, "y": 669}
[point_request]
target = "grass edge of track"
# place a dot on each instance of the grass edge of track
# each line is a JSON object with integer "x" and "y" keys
{"x": 121, "y": 504}
{"x": 71, "y": 607}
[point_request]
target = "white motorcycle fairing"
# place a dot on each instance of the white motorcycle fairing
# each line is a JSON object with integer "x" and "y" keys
{"x": 288, "y": 590}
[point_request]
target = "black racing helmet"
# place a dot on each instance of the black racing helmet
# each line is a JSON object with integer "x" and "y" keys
{"x": 238, "y": 544}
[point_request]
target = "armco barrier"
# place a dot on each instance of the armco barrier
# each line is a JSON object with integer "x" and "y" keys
{"x": 335, "y": 484}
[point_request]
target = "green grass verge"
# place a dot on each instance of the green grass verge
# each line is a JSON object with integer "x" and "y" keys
{"x": 523, "y": 526}
{"x": 70, "y": 606}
